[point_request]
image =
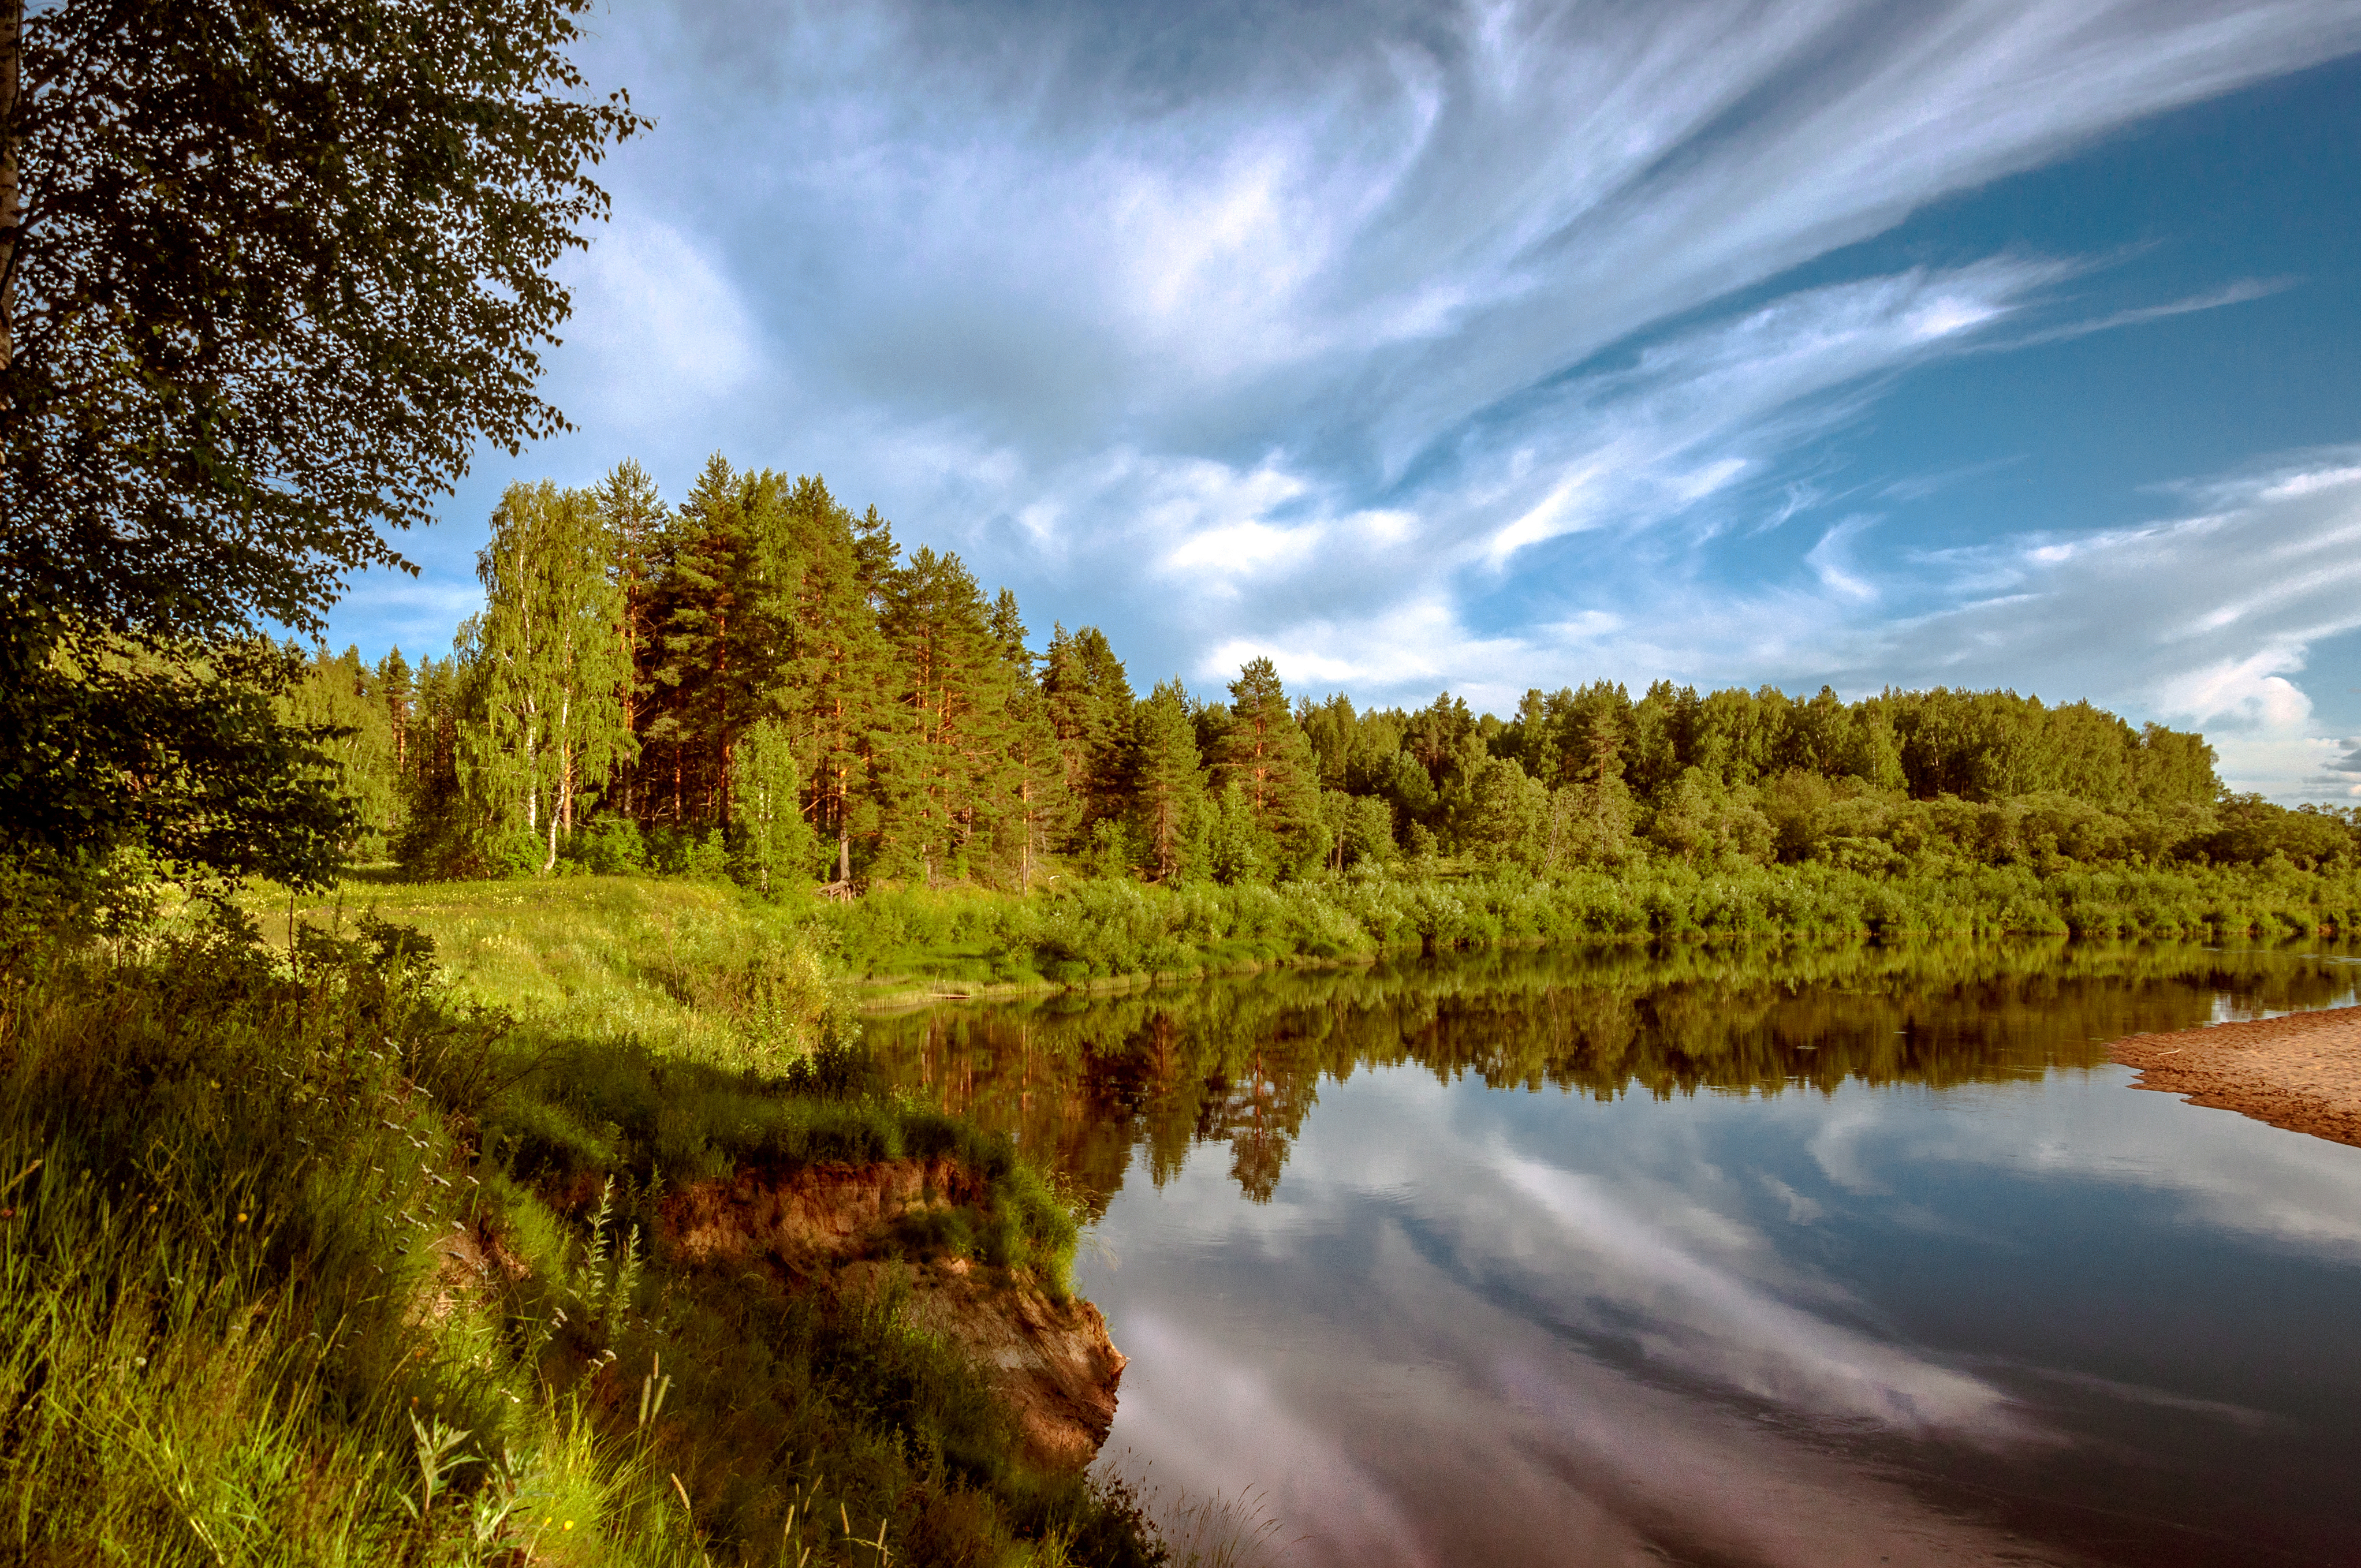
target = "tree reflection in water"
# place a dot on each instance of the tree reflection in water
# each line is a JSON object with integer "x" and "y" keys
{"x": 1087, "y": 1083}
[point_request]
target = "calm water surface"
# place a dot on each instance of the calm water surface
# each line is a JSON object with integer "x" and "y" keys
{"x": 1858, "y": 1256}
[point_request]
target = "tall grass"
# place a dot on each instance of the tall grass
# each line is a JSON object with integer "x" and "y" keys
{"x": 303, "y": 1261}
{"x": 690, "y": 970}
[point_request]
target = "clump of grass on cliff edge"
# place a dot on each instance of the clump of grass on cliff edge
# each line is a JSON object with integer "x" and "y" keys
{"x": 275, "y": 1287}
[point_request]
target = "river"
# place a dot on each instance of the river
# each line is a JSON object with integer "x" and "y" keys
{"x": 1711, "y": 1255}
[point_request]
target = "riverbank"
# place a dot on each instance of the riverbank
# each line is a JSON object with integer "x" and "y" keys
{"x": 2302, "y": 1071}
{"x": 316, "y": 1256}
{"x": 699, "y": 968}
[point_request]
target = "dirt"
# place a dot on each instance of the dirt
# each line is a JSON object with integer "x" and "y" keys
{"x": 469, "y": 1265}
{"x": 815, "y": 1213}
{"x": 1052, "y": 1361}
{"x": 2302, "y": 1071}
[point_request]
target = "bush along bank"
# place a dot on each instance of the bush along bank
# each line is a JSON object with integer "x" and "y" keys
{"x": 303, "y": 1262}
{"x": 1091, "y": 930}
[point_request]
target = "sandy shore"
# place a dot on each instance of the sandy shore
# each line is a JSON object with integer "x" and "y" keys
{"x": 2302, "y": 1072}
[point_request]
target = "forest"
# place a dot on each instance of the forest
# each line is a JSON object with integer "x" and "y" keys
{"x": 760, "y": 683}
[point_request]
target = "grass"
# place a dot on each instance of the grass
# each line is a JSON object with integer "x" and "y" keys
{"x": 306, "y": 1258}
{"x": 692, "y": 970}
{"x": 224, "y": 1335}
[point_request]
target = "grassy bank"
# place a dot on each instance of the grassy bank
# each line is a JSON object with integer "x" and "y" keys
{"x": 705, "y": 972}
{"x": 309, "y": 1260}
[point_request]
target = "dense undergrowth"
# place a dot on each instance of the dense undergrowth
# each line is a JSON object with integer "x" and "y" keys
{"x": 712, "y": 973}
{"x": 304, "y": 1261}
{"x": 1093, "y": 930}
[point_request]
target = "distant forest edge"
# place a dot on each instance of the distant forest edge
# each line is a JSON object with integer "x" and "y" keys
{"x": 760, "y": 683}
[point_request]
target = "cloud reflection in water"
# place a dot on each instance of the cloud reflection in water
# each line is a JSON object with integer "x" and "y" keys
{"x": 1475, "y": 1326}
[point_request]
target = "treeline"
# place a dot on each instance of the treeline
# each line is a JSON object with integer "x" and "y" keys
{"x": 757, "y": 681}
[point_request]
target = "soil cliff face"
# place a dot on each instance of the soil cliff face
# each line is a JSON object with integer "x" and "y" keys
{"x": 1050, "y": 1361}
{"x": 810, "y": 1217}
{"x": 827, "y": 1226}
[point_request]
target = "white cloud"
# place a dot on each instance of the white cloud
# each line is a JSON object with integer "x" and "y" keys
{"x": 1710, "y": 1321}
{"x": 1831, "y": 558}
{"x": 660, "y": 335}
{"x": 1327, "y": 331}
{"x": 2203, "y": 620}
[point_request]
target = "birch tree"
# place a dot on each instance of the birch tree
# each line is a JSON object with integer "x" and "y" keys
{"x": 553, "y": 662}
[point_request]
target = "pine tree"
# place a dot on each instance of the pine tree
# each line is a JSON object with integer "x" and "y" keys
{"x": 777, "y": 842}
{"x": 631, "y": 510}
{"x": 1265, "y": 754}
{"x": 340, "y": 694}
{"x": 719, "y": 610}
{"x": 941, "y": 780}
{"x": 1090, "y": 706}
{"x": 1035, "y": 768}
{"x": 1169, "y": 798}
{"x": 394, "y": 681}
{"x": 832, "y": 689}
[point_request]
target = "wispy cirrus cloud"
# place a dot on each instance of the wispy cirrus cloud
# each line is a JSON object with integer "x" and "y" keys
{"x": 1412, "y": 346}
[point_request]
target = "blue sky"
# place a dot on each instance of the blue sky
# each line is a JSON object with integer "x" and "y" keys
{"x": 1424, "y": 347}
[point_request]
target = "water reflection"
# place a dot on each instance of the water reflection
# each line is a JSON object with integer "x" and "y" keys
{"x": 1818, "y": 1258}
{"x": 1085, "y": 1082}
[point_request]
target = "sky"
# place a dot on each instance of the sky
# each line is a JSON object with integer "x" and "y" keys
{"x": 1420, "y": 346}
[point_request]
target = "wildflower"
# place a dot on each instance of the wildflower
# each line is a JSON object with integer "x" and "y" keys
{"x": 567, "y": 1525}
{"x": 241, "y": 1216}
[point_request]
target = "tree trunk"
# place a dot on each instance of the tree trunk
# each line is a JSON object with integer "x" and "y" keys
{"x": 12, "y": 56}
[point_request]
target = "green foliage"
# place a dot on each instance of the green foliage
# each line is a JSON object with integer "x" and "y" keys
{"x": 308, "y": 1261}
{"x": 219, "y": 383}
{"x": 1082, "y": 931}
{"x": 162, "y": 747}
{"x": 2250, "y": 831}
{"x": 775, "y": 846}
{"x": 225, "y": 382}
{"x": 357, "y": 712}
{"x": 767, "y": 628}
{"x": 552, "y": 664}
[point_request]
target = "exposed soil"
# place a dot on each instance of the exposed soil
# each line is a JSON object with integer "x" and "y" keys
{"x": 467, "y": 1264}
{"x": 2302, "y": 1071}
{"x": 811, "y": 1215}
{"x": 826, "y": 1225}
{"x": 1051, "y": 1362}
